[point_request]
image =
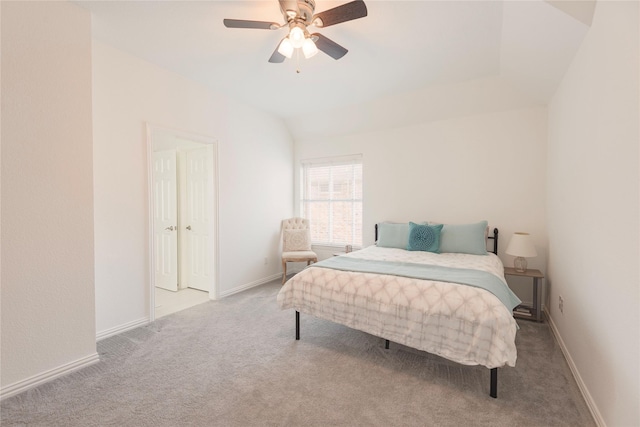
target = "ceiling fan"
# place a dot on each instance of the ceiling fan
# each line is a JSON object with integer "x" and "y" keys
{"x": 299, "y": 15}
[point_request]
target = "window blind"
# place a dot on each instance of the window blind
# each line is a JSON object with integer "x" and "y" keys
{"x": 331, "y": 199}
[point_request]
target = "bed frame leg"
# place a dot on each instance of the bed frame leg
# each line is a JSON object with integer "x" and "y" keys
{"x": 386, "y": 344}
{"x": 493, "y": 392}
{"x": 297, "y": 326}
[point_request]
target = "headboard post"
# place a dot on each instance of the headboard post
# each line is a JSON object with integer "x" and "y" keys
{"x": 495, "y": 241}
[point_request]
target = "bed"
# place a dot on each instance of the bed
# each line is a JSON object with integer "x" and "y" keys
{"x": 435, "y": 301}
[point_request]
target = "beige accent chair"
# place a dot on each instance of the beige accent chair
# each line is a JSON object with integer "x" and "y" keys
{"x": 296, "y": 243}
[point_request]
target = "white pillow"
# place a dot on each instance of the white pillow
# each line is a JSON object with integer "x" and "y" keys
{"x": 297, "y": 240}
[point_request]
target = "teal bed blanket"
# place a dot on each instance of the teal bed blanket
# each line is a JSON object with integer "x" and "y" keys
{"x": 471, "y": 277}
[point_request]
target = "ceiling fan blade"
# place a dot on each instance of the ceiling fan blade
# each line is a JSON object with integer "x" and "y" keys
{"x": 277, "y": 57}
{"x": 329, "y": 47}
{"x": 346, "y": 12}
{"x": 260, "y": 25}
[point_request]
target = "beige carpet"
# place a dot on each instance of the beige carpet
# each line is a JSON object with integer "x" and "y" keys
{"x": 235, "y": 362}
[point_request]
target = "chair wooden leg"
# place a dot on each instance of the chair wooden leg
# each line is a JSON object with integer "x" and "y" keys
{"x": 284, "y": 271}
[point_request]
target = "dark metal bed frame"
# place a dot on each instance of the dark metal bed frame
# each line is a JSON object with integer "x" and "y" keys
{"x": 493, "y": 385}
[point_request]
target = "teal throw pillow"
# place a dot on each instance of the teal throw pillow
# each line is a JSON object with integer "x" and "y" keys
{"x": 424, "y": 237}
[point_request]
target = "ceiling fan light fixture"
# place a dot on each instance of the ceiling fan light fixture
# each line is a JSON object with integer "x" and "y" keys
{"x": 286, "y": 48}
{"x": 296, "y": 36}
{"x": 309, "y": 48}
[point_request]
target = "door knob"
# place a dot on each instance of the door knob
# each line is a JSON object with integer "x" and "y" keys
{"x": 189, "y": 227}
{"x": 169, "y": 228}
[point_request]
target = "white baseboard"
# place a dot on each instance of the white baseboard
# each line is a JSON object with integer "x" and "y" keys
{"x": 250, "y": 285}
{"x": 145, "y": 320}
{"x": 593, "y": 408}
{"x": 121, "y": 328}
{"x": 36, "y": 380}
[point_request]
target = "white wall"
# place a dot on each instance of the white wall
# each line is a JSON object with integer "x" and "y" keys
{"x": 255, "y": 154}
{"x": 425, "y": 104}
{"x": 593, "y": 214}
{"x": 48, "y": 317}
{"x": 487, "y": 166}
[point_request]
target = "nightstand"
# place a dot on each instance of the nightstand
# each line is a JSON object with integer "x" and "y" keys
{"x": 526, "y": 311}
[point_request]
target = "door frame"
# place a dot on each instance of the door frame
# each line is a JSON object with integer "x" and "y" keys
{"x": 151, "y": 131}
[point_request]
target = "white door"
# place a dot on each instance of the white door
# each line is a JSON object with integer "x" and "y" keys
{"x": 165, "y": 211}
{"x": 199, "y": 224}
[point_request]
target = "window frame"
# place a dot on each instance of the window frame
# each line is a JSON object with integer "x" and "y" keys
{"x": 336, "y": 161}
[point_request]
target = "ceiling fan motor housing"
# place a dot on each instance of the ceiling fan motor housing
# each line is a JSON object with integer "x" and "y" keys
{"x": 298, "y": 10}
{"x": 306, "y": 7}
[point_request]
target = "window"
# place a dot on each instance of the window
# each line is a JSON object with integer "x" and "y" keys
{"x": 332, "y": 200}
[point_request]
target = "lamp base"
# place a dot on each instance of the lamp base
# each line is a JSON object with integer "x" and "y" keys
{"x": 520, "y": 264}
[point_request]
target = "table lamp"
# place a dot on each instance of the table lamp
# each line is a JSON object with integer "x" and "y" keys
{"x": 521, "y": 247}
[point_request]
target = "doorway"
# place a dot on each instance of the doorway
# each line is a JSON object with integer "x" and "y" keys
{"x": 183, "y": 219}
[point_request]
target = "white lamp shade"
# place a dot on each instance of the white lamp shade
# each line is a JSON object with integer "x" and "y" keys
{"x": 309, "y": 48}
{"x": 296, "y": 35}
{"x": 521, "y": 245}
{"x": 286, "y": 48}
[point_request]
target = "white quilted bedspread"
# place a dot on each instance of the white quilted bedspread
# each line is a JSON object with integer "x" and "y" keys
{"x": 462, "y": 323}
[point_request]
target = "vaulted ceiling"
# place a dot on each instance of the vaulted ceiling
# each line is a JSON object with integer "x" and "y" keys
{"x": 408, "y": 61}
